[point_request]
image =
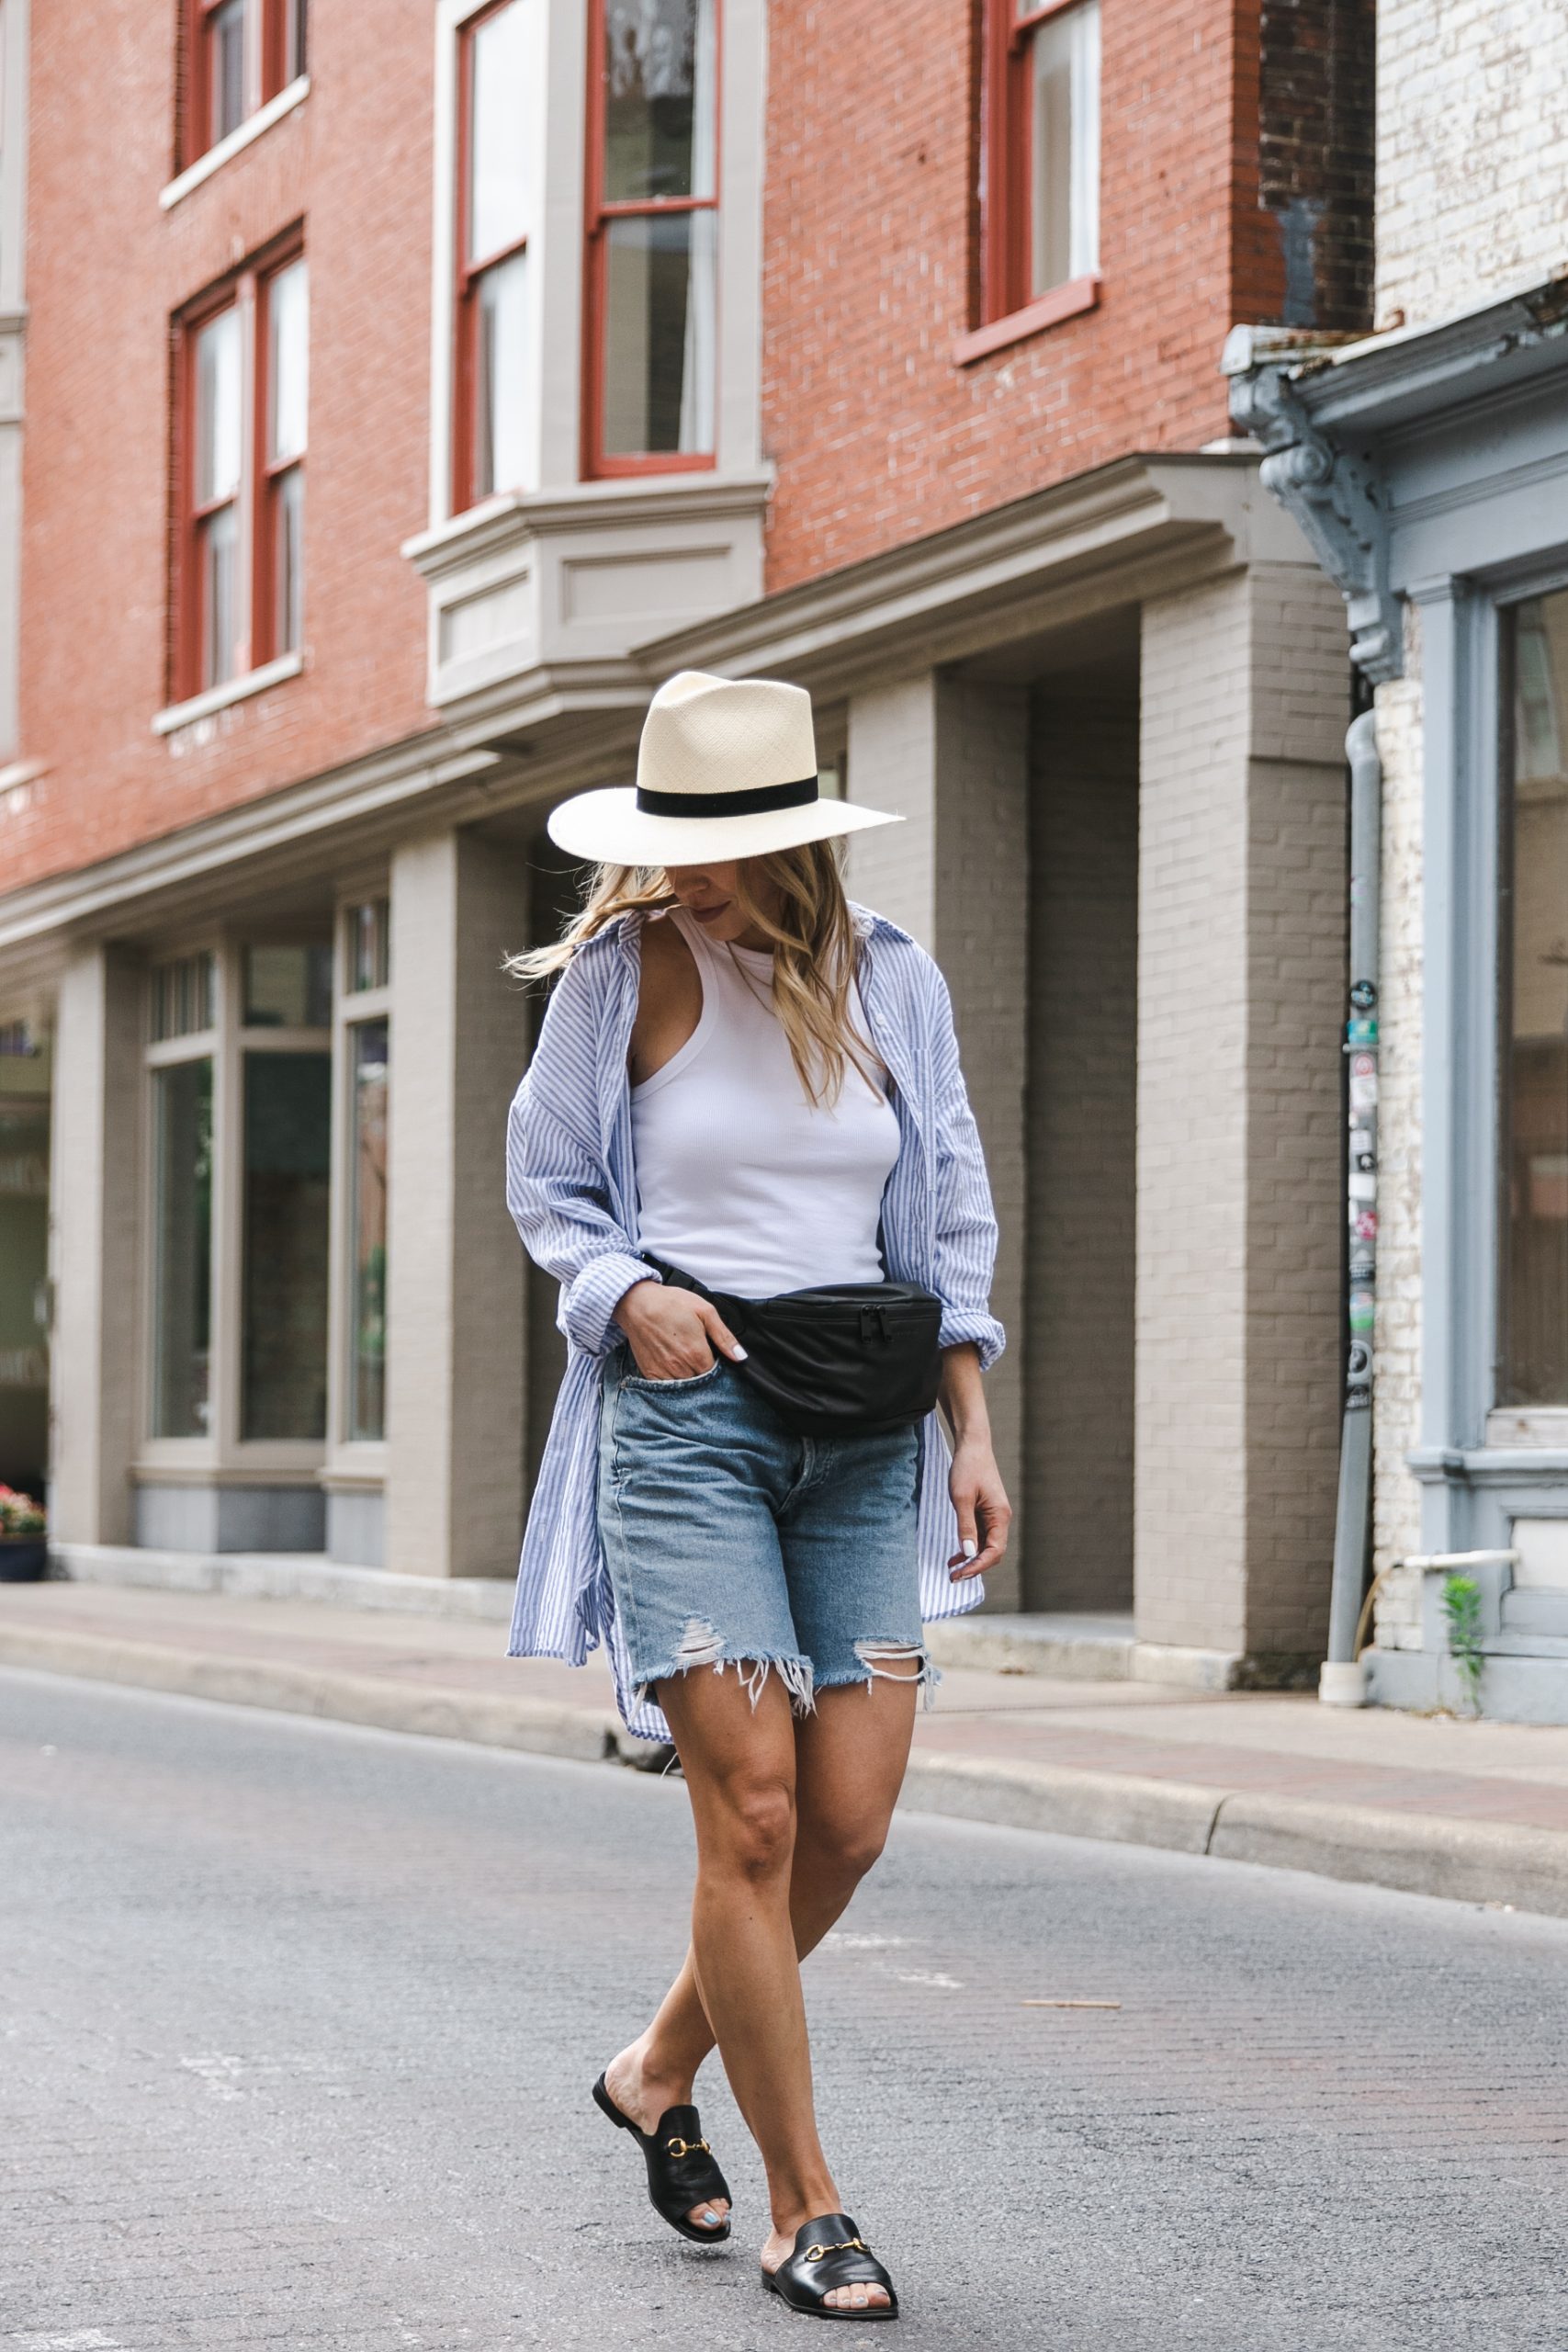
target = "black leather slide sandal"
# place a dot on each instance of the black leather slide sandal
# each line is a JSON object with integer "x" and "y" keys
{"x": 681, "y": 2169}
{"x": 829, "y": 2252}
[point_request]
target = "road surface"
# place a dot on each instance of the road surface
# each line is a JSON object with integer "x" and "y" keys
{"x": 301, "y": 2022}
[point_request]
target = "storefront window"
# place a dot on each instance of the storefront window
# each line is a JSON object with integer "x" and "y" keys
{"x": 288, "y": 987}
{"x": 182, "y": 1248}
{"x": 367, "y": 1233}
{"x": 1535, "y": 1014}
{"x": 287, "y": 1124}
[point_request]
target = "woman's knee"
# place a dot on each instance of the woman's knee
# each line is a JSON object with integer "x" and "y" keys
{"x": 843, "y": 1845}
{"x": 754, "y": 1824}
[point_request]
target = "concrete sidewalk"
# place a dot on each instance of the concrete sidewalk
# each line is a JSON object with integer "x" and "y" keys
{"x": 1474, "y": 1811}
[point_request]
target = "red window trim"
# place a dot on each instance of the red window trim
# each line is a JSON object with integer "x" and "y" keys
{"x": 246, "y": 291}
{"x": 596, "y": 464}
{"x": 469, "y": 273}
{"x": 1005, "y": 272}
{"x": 272, "y": 51}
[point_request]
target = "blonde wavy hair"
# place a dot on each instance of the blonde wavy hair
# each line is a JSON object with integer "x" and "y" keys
{"x": 795, "y": 897}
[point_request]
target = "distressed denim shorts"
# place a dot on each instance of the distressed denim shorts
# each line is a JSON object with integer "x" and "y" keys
{"x": 730, "y": 1541}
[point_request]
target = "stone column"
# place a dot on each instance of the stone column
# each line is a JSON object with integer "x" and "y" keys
{"x": 455, "y": 1323}
{"x": 1241, "y": 978}
{"x": 96, "y": 1193}
{"x": 952, "y": 755}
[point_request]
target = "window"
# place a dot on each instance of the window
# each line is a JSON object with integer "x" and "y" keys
{"x": 368, "y": 1074}
{"x": 244, "y": 589}
{"x": 287, "y": 1151}
{"x": 369, "y": 946}
{"x": 494, "y": 202}
{"x": 366, "y": 1058}
{"x": 240, "y": 1065}
{"x": 650, "y": 358}
{"x": 242, "y": 52}
{"x": 182, "y": 1036}
{"x": 1534, "y": 1043}
{"x": 1043, "y": 154}
{"x": 287, "y": 307}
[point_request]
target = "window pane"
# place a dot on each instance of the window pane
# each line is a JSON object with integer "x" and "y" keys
{"x": 283, "y": 1340}
{"x": 182, "y": 997}
{"x": 217, "y": 408}
{"x": 220, "y": 564}
{"x": 370, "y": 942}
{"x": 1535, "y": 1041}
{"x": 182, "y": 1126}
{"x": 1064, "y": 137}
{"x": 288, "y": 561}
{"x": 501, "y": 330}
{"x": 497, "y": 161}
{"x": 659, "y": 113}
{"x": 288, "y": 987}
{"x": 226, "y": 43}
{"x": 367, "y": 1238}
{"x": 658, "y": 333}
{"x": 294, "y": 52}
{"x": 288, "y": 313}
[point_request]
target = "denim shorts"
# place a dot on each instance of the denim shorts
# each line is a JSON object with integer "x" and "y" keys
{"x": 730, "y": 1541}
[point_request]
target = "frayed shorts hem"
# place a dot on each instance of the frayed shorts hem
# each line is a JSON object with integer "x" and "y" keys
{"x": 875, "y": 1661}
{"x": 796, "y": 1673}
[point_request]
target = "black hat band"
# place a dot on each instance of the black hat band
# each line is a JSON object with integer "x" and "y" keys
{"x": 727, "y": 804}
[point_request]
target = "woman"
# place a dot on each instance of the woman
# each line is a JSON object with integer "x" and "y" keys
{"x": 746, "y": 1087}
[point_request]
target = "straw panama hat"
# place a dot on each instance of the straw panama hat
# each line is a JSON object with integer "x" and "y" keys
{"x": 727, "y": 768}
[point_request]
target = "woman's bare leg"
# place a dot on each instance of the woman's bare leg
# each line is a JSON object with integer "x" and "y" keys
{"x": 849, "y": 1760}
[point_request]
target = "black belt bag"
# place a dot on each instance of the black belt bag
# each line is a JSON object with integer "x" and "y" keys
{"x": 861, "y": 1360}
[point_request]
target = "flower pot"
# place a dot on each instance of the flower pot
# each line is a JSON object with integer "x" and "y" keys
{"x": 24, "y": 1559}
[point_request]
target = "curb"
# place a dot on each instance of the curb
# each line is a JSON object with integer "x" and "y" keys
{"x": 1461, "y": 1860}
{"x": 586, "y": 1735}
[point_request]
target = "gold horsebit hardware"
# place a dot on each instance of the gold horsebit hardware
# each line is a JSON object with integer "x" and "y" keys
{"x": 815, "y": 2253}
{"x": 687, "y": 2148}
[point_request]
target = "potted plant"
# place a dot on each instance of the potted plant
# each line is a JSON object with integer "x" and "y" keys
{"x": 24, "y": 1552}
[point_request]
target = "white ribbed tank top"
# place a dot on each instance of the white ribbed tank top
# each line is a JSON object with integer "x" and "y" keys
{"x": 741, "y": 1181}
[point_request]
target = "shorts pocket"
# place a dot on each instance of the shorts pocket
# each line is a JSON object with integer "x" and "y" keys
{"x": 670, "y": 1387}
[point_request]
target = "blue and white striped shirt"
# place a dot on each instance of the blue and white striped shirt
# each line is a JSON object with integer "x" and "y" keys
{"x": 571, "y": 1188}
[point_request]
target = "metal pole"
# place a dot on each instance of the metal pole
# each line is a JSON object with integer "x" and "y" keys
{"x": 1342, "y": 1682}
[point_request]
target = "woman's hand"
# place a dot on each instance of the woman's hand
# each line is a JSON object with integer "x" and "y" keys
{"x": 974, "y": 1483}
{"x": 674, "y": 1333}
{"x": 984, "y": 1515}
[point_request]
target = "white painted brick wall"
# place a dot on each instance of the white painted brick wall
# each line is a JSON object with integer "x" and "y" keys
{"x": 1240, "y": 996}
{"x": 1396, "y": 1502}
{"x": 952, "y": 756}
{"x": 1472, "y": 151}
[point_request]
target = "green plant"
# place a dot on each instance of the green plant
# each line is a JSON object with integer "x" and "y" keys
{"x": 1461, "y": 1607}
{"x": 19, "y": 1515}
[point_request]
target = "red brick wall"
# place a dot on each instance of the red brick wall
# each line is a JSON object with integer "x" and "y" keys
{"x": 105, "y": 270}
{"x": 878, "y": 437}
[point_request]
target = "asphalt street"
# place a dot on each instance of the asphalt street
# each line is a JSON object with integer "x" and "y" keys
{"x": 301, "y": 2022}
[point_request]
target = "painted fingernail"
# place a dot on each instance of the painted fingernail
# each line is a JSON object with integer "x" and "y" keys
{"x": 970, "y": 1547}
{"x": 741, "y": 1356}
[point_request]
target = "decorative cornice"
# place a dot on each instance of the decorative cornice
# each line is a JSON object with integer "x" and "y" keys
{"x": 1335, "y": 496}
